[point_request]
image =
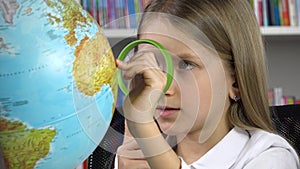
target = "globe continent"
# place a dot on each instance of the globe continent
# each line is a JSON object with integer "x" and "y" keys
{"x": 57, "y": 84}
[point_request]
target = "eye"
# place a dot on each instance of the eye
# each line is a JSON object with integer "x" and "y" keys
{"x": 183, "y": 64}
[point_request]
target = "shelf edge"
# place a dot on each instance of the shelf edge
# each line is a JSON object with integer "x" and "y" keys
{"x": 265, "y": 31}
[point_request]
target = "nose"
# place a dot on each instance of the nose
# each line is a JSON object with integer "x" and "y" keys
{"x": 172, "y": 89}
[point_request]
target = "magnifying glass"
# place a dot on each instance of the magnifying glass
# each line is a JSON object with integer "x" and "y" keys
{"x": 167, "y": 57}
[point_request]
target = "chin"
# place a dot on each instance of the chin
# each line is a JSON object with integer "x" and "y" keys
{"x": 170, "y": 128}
{"x": 164, "y": 126}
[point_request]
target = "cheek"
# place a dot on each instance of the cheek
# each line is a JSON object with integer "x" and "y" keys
{"x": 202, "y": 88}
{"x": 194, "y": 92}
{"x": 196, "y": 99}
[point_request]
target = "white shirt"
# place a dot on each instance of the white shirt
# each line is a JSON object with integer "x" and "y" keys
{"x": 240, "y": 149}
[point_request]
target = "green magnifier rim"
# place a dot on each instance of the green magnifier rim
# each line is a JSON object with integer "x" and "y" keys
{"x": 167, "y": 57}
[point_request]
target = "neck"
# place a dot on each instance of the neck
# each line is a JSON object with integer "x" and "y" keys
{"x": 190, "y": 149}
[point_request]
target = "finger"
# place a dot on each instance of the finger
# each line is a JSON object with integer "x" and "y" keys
{"x": 121, "y": 65}
{"x": 133, "y": 70}
{"x": 125, "y": 163}
{"x": 128, "y": 152}
{"x": 138, "y": 64}
{"x": 145, "y": 58}
{"x": 130, "y": 143}
{"x": 127, "y": 134}
{"x": 149, "y": 55}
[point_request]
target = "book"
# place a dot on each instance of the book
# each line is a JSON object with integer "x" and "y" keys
{"x": 273, "y": 12}
{"x": 280, "y": 12}
{"x": 104, "y": 13}
{"x": 138, "y": 10}
{"x": 290, "y": 100}
{"x": 257, "y": 6}
{"x": 270, "y": 12}
{"x": 85, "y": 4}
{"x": 271, "y": 97}
{"x": 278, "y": 96}
{"x": 127, "y": 20}
{"x": 276, "y": 13}
{"x": 260, "y": 12}
{"x": 111, "y": 14}
{"x": 298, "y": 11}
{"x": 120, "y": 13}
{"x": 142, "y": 4}
{"x": 101, "y": 10}
{"x": 285, "y": 12}
{"x": 293, "y": 13}
{"x": 265, "y": 13}
{"x": 111, "y": 7}
{"x": 131, "y": 13}
{"x": 88, "y": 5}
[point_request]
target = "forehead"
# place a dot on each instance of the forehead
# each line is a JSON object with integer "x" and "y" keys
{"x": 172, "y": 44}
{"x": 177, "y": 40}
{"x": 162, "y": 31}
{"x": 178, "y": 47}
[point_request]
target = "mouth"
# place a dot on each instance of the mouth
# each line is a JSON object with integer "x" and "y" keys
{"x": 164, "y": 111}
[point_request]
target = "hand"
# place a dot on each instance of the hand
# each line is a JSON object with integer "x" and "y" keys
{"x": 139, "y": 107}
{"x": 157, "y": 152}
{"x": 130, "y": 155}
{"x": 147, "y": 83}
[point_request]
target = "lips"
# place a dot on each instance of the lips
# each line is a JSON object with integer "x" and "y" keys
{"x": 166, "y": 111}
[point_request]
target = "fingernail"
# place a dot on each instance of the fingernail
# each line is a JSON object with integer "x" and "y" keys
{"x": 118, "y": 62}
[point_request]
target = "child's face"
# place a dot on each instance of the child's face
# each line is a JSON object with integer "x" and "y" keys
{"x": 199, "y": 88}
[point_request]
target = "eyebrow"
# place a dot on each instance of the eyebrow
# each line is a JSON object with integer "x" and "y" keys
{"x": 191, "y": 57}
{"x": 188, "y": 56}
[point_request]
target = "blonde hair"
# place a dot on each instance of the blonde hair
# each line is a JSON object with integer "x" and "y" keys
{"x": 232, "y": 28}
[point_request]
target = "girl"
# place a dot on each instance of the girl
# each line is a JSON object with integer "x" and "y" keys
{"x": 215, "y": 113}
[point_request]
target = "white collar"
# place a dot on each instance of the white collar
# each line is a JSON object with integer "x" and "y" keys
{"x": 226, "y": 152}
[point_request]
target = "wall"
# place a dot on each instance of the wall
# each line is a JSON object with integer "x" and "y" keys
{"x": 283, "y": 54}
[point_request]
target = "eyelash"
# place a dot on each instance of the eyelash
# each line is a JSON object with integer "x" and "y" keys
{"x": 183, "y": 64}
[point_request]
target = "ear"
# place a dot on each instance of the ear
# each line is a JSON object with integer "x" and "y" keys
{"x": 234, "y": 92}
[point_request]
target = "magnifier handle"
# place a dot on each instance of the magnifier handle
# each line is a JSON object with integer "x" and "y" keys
{"x": 167, "y": 57}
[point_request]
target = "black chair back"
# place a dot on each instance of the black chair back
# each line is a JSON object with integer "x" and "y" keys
{"x": 104, "y": 155}
{"x": 286, "y": 120}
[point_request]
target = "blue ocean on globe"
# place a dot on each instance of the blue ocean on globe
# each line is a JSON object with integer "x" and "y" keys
{"x": 57, "y": 84}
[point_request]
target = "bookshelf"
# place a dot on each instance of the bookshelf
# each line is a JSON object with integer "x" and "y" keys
{"x": 119, "y": 33}
{"x": 283, "y": 54}
{"x": 280, "y": 31}
{"x": 266, "y": 31}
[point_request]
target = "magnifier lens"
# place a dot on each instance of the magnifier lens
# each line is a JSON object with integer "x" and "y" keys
{"x": 169, "y": 68}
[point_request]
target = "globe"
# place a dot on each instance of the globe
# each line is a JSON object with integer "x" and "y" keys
{"x": 57, "y": 84}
